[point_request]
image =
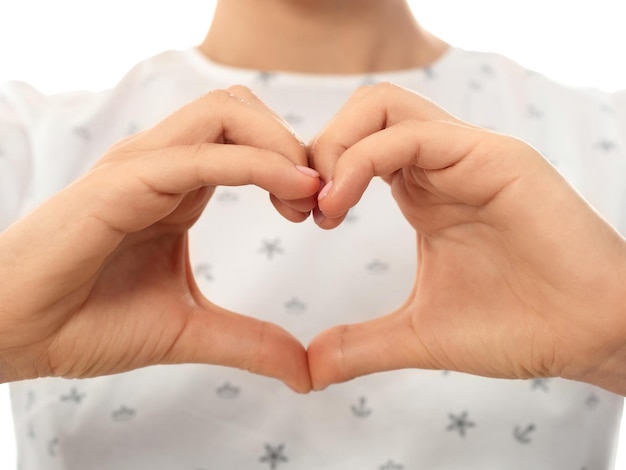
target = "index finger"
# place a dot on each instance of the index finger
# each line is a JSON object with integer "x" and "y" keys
{"x": 224, "y": 116}
{"x": 369, "y": 110}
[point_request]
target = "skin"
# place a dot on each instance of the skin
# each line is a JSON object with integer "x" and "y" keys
{"x": 518, "y": 277}
{"x": 108, "y": 255}
{"x": 319, "y": 36}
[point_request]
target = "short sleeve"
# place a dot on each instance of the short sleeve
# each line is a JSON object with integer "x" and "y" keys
{"x": 15, "y": 158}
{"x": 610, "y": 152}
{"x": 582, "y": 131}
{"x": 619, "y": 107}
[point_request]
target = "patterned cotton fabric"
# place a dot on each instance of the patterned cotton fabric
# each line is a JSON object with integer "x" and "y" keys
{"x": 248, "y": 259}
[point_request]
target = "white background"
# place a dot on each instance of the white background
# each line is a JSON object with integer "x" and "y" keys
{"x": 66, "y": 45}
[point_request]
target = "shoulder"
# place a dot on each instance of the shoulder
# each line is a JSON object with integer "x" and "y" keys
{"x": 31, "y": 105}
{"x": 580, "y": 130}
{"x": 53, "y": 138}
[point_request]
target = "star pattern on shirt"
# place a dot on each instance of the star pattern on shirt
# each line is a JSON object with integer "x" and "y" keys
{"x": 487, "y": 69}
{"x": 523, "y": 434}
{"x": 391, "y": 465}
{"x": 475, "y": 85}
{"x": 227, "y": 196}
{"x": 460, "y": 423}
{"x": 204, "y": 271}
{"x": 30, "y": 400}
{"x": 295, "y": 305}
{"x": 592, "y": 401}
{"x": 293, "y": 119}
{"x": 377, "y": 266}
{"x": 534, "y": 112}
{"x": 73, "y": 395}
{"x": 82, "y": 132}
{"x": 606, "y": 145}
{"x": 607, "y": 108}
{"x": 123, "y": 413}
{"x": 149, "y": 79}
{"x": 228, "y": 391}
{"x": 30, "y": 430}
{"x": 429, "y": 73}
{"x": 265, "y": 77}
{"x": 53, "y": 446}
{"x": 361, "y": 410}
{"x": 540, "y": 384}
{"x": 132, "y": 128}
{"x": 369, "y": 80}
{"x": 274, "y": 455}
{"x": 271, "y": 247}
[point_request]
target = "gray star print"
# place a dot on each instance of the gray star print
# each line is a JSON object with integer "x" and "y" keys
{"x": 53, "y": 447}
{"x": 227, "y": 391}
{"x": 73, "y": 395}
{"x": 123, "y": 413}
{"x": 540, "y": 384}
{"x": 204, "y": 270}
{"x": 83, "y": 133}
{"x": 460, "y": 423}
{"x": 295, "y": 305}
{"x": 523, "y": 434}
{"x": 273, "y": 455}
{"x": 391, "y": 465}
{"x": 606, "y": 145}
{"x": 377, "y": 266}
{"x": 361, "y": 410}
{"x": 271, "y": 247}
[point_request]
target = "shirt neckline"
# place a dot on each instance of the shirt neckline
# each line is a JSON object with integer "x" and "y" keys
{"x": 242, "y": 75}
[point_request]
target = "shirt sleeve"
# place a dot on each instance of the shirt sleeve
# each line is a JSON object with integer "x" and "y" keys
{"x": 583, "y": 132}
{"x": 15, "y": 158}
{"x": 610, "y": 152}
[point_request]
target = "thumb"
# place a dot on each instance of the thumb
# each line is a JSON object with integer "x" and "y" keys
{"x": 349, "y": 351}
{"x": 217, "y": 336}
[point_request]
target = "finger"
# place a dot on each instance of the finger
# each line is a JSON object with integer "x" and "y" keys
{"x": 221, "y": 116}
{"x": 132, "y": 194}
{"x": 302, "y": 205}
{"x": 447, "y": 158}
{"x": 249, "y": 96}
{"x": 368, "y": 111}
{"x": 325, "y": 138}
{"x": 295, "y": 211}
{"x": 221, "y": 337}
{"x": 325, "y": 222}
{"x": 345, "y": 352}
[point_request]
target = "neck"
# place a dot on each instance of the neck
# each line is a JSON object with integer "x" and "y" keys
{"x": 319, "y": 36}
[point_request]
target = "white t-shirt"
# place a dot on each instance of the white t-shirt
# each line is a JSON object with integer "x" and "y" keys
{"x": 248, "y": 259}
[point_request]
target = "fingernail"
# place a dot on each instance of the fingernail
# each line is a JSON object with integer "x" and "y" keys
{"x": 295, "y": 389}
{"x": 318, "y": 216}
{"x": 325, "y": 190}
{"x": 307, "y": 171}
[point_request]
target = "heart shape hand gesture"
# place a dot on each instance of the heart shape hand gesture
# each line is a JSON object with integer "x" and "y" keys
{"x": 517, "y": 276}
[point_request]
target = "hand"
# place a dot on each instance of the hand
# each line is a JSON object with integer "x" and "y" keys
{"x": 97, "y": 280}
{"x": 517, "y": 276}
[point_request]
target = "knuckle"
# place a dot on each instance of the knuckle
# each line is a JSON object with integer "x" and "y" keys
{"x": 240, "y": 90}
{"x": 385, "y": 88}
{"x": 221, "y": 96}
{"x": 363, "y": 90}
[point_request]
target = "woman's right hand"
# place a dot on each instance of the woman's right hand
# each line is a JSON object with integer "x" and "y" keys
{"x": 97, "y": 280}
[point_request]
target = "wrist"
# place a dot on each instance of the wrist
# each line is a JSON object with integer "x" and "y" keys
{"x": 608, "y": 356}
